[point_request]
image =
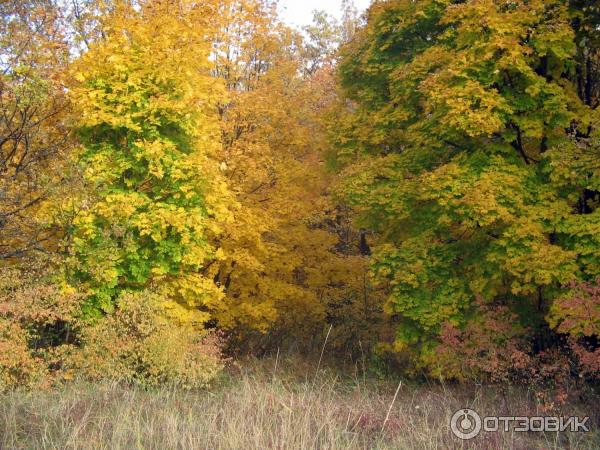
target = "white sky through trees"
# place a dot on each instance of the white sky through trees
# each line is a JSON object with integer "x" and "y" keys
{"x": 299, "y": 12}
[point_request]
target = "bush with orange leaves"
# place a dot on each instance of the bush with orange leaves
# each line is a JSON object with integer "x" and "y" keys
{"x": 44, "y": 341}
{"x": 489, "y": 348}
{"x": 18, "y": 367}
{"x": 577, "y": 315}
{"x": 38, "y": 327}
{"x": 494, "y": 347}
{"x": 137, "y": 344}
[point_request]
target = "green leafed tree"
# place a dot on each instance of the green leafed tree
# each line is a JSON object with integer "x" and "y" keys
{"x": 469, "y": 135}
{"x": 146, "y": 105}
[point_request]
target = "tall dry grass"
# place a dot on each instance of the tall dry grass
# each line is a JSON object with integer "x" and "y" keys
{"x": 256, "y": 407}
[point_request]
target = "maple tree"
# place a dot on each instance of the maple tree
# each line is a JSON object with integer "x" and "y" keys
{"x": 281, "y": 272}
{"x": 146, "y": 107}
{"x": 469, "y": 149}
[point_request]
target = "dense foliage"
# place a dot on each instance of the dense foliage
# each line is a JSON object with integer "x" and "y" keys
{"x": 471, "y": 147}
{"x": 419, "y": 186}
{"x": 147, "y": 123}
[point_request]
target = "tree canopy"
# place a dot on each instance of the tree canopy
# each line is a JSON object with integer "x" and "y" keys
{"x": 419, "y": 186}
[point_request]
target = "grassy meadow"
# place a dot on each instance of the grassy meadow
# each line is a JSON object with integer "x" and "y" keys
{"x": 277, "y": 404}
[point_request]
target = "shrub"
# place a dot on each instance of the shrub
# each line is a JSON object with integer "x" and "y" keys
{"x": 38, "y": 326}
{"x": 18, "y": 366}
{"x": 491, "y": 347}
{"x": 577, "y": 315}
{"x": 138, "y": 344}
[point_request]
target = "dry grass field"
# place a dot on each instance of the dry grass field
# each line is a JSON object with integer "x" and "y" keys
{"x": 264, "y": 407}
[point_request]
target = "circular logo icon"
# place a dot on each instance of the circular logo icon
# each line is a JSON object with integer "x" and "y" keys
{"x": 465, "y": 424}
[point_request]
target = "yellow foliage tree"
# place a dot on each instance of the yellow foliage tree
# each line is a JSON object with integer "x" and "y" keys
{"x": 283, "y": 270}
{"x": 146, "y": 117}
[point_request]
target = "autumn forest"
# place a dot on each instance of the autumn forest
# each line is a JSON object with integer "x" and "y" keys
{"x": 186, "y": 184}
